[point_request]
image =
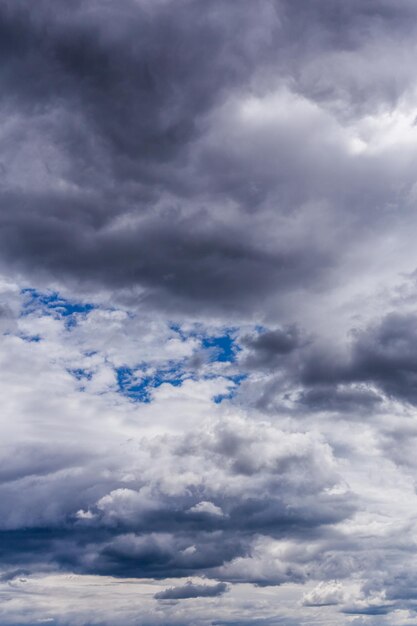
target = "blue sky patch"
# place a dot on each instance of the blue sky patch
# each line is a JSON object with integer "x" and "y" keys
{"x": 51, "y": 303}
{"x": 223, "y": 347}
{"x": 138, "y": 385}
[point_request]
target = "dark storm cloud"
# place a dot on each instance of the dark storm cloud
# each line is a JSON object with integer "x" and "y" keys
{"x": 278, "y": 492}
{"x": 377, "y": 360}
{"x": 120, "y": 552}
{"x": 267, "y": 350}
{"x": 190, "y": 590}
{"x": 157, "y": 555}
{"x": 113, "y": 173}
{"x": 128, "y": 69}
{"x": 339, "y": 51}
{"x": 181, "y": 257}
{"x": 386, "y": 355}
{"x": 382, "y": 355}
{"x": 159, "y": 547}
{"x": 119, "y": 93}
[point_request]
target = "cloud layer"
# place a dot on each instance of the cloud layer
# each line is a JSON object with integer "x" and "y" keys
{"x": 208, "y": 312}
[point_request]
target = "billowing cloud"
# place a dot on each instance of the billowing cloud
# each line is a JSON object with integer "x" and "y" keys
{"x": 212, "y": 178}
{"x": 208, "y": 317}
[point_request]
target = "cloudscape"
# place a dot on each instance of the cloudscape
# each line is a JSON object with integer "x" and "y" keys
{"x": 208, "y": 312}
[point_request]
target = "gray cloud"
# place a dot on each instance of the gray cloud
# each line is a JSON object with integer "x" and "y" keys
{"x": 375, "y": 361}
{"x": 267, "y": 350}
{"x": 382, "y": 355}
{"x": 191, "y": 590}
{"x": 136, "y": 169}
{"x": 186, "y": 170}
{"x": 142, "y": 530}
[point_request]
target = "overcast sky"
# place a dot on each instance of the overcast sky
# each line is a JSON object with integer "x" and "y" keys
{"x": 208, "y": 312}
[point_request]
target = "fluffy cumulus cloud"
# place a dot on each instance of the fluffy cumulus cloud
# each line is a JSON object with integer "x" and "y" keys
{"x": 208, "y": 313}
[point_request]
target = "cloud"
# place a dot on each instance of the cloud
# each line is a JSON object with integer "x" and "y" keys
{"x": 207, "y": 508}
{"x": 183, "y": 177}
{"x": 207, "y": 312}
{"x": 325, "y": 594}
{"x": 192, "y": 591}
{"x": 266, "y": 350}
{"x": 381, "y": 355}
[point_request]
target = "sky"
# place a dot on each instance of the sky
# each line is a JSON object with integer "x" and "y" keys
{"x": 208, "y": 313}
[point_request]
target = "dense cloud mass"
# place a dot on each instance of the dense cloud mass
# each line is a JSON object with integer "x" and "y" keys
{"x": 208, "y": 312}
